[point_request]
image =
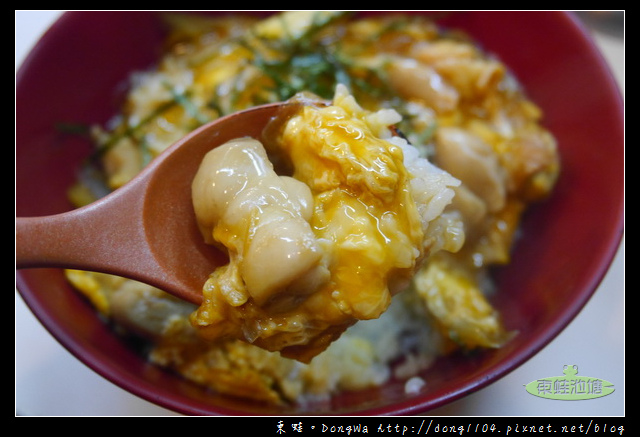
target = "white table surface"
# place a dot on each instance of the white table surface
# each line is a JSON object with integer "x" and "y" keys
{"x": 49, "y": 381}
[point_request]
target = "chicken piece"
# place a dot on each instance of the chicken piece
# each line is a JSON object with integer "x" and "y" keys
{"x": 261, "y": 219}
{"x": 474, "y": 162}
{"x": 414, "y": 80}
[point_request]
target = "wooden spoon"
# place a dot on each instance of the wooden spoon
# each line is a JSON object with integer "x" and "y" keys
{"x": 145, "y": 230}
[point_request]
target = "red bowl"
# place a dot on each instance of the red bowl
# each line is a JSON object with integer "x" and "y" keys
{"x": 74, "y": 74}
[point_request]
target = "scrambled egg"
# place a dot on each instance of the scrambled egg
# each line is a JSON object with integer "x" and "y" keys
{"x": 477, "y": 140}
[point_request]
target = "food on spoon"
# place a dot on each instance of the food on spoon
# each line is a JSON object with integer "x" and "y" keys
{"x": 314, "y": 252}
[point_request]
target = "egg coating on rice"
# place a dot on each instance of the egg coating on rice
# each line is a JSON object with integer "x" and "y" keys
{"x": 460, "y": 108}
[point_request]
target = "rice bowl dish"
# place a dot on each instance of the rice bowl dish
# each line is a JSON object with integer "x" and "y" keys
{"x": 482, "y": 113}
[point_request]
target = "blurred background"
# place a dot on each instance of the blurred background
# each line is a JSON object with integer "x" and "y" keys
{"x": 49, "y": 381}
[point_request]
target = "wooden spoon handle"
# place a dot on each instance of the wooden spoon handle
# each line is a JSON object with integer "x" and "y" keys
{"x": 105, "y": 236}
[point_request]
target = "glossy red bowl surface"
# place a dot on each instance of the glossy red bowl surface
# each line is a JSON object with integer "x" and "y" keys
{"x": 76, "y": 73}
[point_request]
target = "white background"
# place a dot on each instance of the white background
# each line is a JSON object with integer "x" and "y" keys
{"x": 51, "y": 382}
